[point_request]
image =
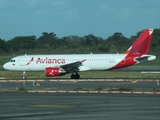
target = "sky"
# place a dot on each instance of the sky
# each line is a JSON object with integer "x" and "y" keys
{"x": 101, "y": 18}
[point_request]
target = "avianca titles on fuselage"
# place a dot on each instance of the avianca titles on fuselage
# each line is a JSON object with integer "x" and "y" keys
{"x": 56, "y": 65}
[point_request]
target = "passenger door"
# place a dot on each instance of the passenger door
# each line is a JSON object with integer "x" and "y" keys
{"x": 22, "y": 61}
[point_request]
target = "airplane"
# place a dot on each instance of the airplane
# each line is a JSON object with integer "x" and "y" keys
{"x": 61, "y": 64}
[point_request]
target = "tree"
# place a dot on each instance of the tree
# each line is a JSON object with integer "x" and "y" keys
{"x": 21, "y": 43}
{"x": 91, "y": 40}
{"x": 49, "y": 43}
{"x": 118, "y": 42}
{"x": 47, "y": 38}
{"x": 3, "y": 46}
{"x": 155, "y": 43}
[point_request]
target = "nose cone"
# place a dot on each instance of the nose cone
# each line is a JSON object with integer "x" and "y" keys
{"x": 6, "y": 66}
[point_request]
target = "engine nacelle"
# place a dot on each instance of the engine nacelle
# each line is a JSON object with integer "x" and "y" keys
{"x": 54, "y": 71}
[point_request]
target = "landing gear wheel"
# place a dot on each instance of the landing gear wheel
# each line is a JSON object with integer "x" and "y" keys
{"x": 75, "y": 76}
{"x": 72, "y": 76}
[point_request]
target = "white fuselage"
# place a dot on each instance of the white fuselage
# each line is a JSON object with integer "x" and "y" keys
{"x": 40, "y": 62}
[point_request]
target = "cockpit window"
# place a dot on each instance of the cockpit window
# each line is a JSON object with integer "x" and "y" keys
{"x": 12, "y": 61}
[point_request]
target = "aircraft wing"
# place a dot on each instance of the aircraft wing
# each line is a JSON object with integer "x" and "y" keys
{"x": 71, "y": 67}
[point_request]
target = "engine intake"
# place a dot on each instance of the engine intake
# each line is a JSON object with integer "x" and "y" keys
{"x": 54, "y": 71}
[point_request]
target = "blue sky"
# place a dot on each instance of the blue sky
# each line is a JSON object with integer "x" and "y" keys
{"x": 101, "y": 18}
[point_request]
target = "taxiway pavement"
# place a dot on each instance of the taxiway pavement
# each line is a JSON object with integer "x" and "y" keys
{"x": 73, "y": 85}
{"x": 60, "y": 106}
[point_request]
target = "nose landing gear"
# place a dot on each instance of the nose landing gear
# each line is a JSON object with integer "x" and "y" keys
{"x": 24, "y": 75}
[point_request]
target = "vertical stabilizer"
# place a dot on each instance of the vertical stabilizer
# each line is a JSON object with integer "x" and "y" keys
{"x": 142, "y": 44}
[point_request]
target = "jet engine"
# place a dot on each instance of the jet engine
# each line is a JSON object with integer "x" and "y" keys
{"x": 54, "y": 71}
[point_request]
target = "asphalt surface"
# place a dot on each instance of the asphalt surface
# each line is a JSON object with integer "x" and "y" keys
{"x": 79, "y": 85}
{"x": 54, "y": 106}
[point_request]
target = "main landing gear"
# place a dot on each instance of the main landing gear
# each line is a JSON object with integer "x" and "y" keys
{"x": 75, "y": 76}
{"x": 24, "y": 75}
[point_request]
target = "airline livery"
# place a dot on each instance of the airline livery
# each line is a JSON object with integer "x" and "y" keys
{"x": 57, "y": 65}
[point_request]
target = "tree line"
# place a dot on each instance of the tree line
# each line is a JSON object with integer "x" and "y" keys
{"x": 49, "y": 43}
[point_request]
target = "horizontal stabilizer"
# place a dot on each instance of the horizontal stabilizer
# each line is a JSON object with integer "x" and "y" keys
{"x": 145, "y": 58}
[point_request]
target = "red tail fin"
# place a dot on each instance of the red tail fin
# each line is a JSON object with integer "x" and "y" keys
{"x": 142, "y": 44}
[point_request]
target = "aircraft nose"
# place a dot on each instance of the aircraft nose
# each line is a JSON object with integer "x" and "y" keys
{"x": 6, "y": 66}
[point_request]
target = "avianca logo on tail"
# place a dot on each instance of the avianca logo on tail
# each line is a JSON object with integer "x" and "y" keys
{"x": 142, "y": 43}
